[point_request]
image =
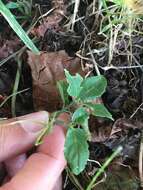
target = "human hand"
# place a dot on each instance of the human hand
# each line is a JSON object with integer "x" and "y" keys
{"x": 43, "y": 168}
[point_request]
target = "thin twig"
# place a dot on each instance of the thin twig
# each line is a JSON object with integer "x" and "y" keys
{"x": 19, "y": 92}
{"x": 94, "y": 62}
{"x": 76, "y": 7}
{"x": 106, "y": 68}
{"x": 136, "y": 111}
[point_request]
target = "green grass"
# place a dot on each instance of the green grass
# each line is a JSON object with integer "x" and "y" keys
{"x": 17, "y": 28}
{"x": 102, "y": 169}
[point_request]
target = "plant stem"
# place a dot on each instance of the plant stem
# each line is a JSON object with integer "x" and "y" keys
{"x": 16, "y": 84}
{"x": 17, "y": 28}
{"x": 101, "y": 170}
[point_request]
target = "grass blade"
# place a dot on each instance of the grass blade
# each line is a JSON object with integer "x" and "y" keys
{"x": 102, "y": 169}
{"x": 17, "y": 28}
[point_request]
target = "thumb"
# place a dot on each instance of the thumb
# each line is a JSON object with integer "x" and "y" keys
{"x": 18, "y": 135}
{"x": 43, "y": 168}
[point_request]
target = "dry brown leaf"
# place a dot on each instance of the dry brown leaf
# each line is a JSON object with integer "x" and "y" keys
{"x": 8, "y": 48}
{"x": 100, "y": 130}
{"x": 123, "y": 125}
{"x": 47, "y": 69}
{"x": 52, "y": 21}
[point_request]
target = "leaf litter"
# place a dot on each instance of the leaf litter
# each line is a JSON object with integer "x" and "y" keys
{"x": 124, "y": 93}
{"x": 51, "y": 21}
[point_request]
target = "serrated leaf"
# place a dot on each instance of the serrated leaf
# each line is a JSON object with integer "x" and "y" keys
{"x": 100, "y": 110}
{"x": 80, "y": 117}
{"x": 74, "y": 84}
{"x": 76, "y": 150}
{"x": 92, "y": 88}
{"x": 63, "y": 86}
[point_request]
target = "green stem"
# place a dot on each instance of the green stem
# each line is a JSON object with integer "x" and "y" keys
{"x": 16, "y": 84}
{"x": 102, "y": 169}
{"x": 17, "y": 28}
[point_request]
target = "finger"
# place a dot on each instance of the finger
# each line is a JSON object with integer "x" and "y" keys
{"x": 58, "y": 185}
{"x": 13, "y": 165}
{"x": 19, "y": 134}
{"x": 51, "y": 147}
{"x": 42, "y": 169}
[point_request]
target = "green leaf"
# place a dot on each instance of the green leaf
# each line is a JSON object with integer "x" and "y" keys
{"x": 62, "y": 86}
{"x": 76, "y": 149}
{"x": 80, "y": 117}
{"x": 100, "y": 110}
{"x": 92, "y": 88}
{"x": 12, "y": 5}
{"x": 74, "y": 84}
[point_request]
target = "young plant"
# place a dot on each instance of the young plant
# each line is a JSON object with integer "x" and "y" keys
{"x": 17, "y": 28}
{"x": 82, "y": 91}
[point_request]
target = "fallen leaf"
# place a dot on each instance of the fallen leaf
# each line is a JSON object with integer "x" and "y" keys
{"x": 51, "y": 21}
{"x": 8, "y": 48}
{"x": 124, "y": 125}
{"x": 47, "y": 69}
{"x": 128, "y": 134}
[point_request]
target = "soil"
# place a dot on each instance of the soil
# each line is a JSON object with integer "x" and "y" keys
{"x": 123, "y": 97}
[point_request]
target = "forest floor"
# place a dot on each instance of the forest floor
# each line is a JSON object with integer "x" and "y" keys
{"x": 109, "y": 38}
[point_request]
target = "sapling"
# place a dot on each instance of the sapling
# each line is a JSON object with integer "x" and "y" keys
{"x": 82, "y": 92}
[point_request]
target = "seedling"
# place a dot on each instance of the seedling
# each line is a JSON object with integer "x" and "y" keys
{"x": 82, "y": 91}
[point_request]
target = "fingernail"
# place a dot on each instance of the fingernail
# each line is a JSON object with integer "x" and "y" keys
{"x": 33, "y": 123}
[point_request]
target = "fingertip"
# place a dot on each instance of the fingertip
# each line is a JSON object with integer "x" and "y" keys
{"x": 53, "y": 143}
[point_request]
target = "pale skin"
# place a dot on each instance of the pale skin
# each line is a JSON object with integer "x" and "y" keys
{"x": 42, "y": 170}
